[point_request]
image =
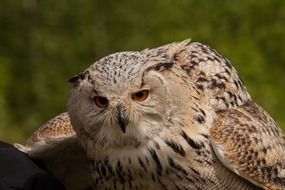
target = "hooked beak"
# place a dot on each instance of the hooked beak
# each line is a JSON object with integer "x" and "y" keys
{"x": 123, "y": 121}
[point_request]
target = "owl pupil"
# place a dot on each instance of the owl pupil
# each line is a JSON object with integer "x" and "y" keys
{"x": 139, "y": 94}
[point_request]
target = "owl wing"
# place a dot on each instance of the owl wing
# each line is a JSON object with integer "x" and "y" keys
{"x": 248, "y": 142}
{"x": 55, "y": 147}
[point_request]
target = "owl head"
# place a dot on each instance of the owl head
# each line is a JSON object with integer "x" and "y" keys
{"x": 127, "y": 98}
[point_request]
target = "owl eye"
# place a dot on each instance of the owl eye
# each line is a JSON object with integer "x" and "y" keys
{"x": 141, "y": 95}
{"x": 101, "y": 102}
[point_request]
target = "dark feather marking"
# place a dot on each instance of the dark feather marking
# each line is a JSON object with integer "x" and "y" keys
{"x": 190, "y": 141}
{"x": 221, "y": 77}
{"x": 156, "y": 145}
{"x": 153, "y": 177}
{"x": 200, "y": 87}
{"x": 200, "y": 119}
{"x": 205, "y": 135}
{"x": 203, "y": 112}
{"x": 198, "y": 160}
{"x": 119, "y": 169}
{"x": 195, "y": 171}
{"x": 92, "y": 164}
{"x": 147, "y": 161}
{"x": 130, "y": 175}
{"x": 279, "y": 180}
{"x": 176, "y": 166}
{"x": 201, "y": 79}
{"x": 188, "y": 68}
{"x": 142, "y": 164}
{"x": 176, "y": 147}
{"x": 176, "y": 186}
{"x": 108, "y": 166}
{"x": 156, "y": 160}
{"x": 103, "y": 170}
{"x": 162, "y": 184}
{"x": 215, "y": 84}
{"x": 161, "y": 66}
{"x": 240, "y": 83}
{"x": 194, "y": 109}
{"x": 130, "y": 185}
{"x": 179, "y": 176}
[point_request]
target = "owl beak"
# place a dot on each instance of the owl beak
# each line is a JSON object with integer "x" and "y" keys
{"x": 123, "y": 121}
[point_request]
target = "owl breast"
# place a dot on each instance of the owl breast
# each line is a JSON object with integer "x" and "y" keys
{"x": 180, "y": 163}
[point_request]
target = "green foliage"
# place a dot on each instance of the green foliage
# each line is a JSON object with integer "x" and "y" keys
{"x": 44, "y": 43}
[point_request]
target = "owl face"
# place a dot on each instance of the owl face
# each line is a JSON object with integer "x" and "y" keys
{"x": 119, "y": 100}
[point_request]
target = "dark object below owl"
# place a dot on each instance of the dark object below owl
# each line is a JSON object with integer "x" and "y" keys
{"x": 18, "y": 171}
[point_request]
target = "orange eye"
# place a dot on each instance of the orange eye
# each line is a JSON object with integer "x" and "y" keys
{"x": 141, "y": 95}
{"x": 101, "y": 102}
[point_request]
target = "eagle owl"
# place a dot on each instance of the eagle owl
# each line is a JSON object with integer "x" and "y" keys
{"x": 170, "y": 118}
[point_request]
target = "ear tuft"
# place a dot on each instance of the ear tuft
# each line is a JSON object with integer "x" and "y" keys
{"x": 177, "y": 47}
{"x": 75, "y": 80}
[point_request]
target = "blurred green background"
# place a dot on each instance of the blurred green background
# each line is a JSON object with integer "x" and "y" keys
{"x": 44, "y": 43}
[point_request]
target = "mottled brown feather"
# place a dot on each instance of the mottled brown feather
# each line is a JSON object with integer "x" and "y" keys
{"x": 253, "y": 145}
{"x": 57, "y": 127}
